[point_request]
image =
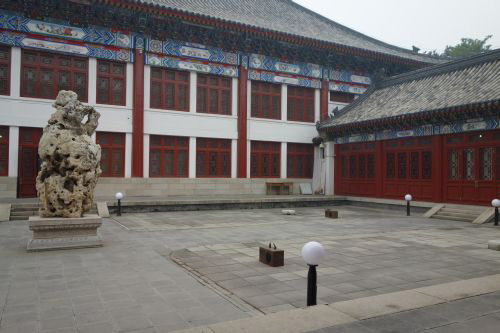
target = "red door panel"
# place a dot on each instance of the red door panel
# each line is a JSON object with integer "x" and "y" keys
{"x": 29, "y": 163}
{"x": 471, "y": 167}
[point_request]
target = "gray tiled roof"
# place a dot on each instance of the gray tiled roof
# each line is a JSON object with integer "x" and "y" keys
{"x": 459, "y": 83}
{"x": 287, "y": 17}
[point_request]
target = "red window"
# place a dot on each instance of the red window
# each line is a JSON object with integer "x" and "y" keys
{"x": 408, "y": 159}
{"x": 266, "y": 100}
{"x": 4, "y": 150}
{"x": 213, "y": 157}
{"x": 356, "y": 162}
{"x": 4, "y": 70}
{"x": 112, "y": 153}
{"x": 169, "y": 89}
{"x": 300, "y": 104}
{"x": 44, "y": 74}
{"x": 111, "y": 81}
{"x": 168, "y": 156}
{"x": 265, "y": 159}
{"x": 342, "y": 97}
{"x": 213, "y": 94}
{"x": 300, "y": 160}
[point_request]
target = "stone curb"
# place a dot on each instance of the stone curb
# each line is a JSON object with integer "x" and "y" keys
{"x": 4, "y": 212}
{"x": 322, "y": 316}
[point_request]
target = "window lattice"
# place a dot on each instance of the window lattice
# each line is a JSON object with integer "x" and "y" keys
{"x": 402, "y": 165}
{"x": 426, "y": 165}
{"x": 390, "y": 171}
{"x": 414, "y": 157}
{"x": 453, "y": 165}
{"x": 469, "y": 167}
{"x": 486, "y": 167}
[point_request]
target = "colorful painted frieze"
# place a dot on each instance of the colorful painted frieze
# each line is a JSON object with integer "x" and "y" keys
{"x": 337, "y": 86}
{"x": 345, "y": 76}
{"x": 56, "y": 45}
{"x": 424, "y": 130}
{"x": 191, "y": 65}
{"x": 283, "y": 78}
{"x": 262, "y": 62}
{"x": 95, "y": 35}
{"x": 192, "y": 50}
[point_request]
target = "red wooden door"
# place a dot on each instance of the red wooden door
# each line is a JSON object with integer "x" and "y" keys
{"x": 29, "y": 163}
{"x": 472, "y": 162}
{"x": 407, "y": 168}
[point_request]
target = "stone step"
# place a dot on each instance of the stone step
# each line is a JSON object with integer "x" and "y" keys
{"x": 464, "y": 214}
{"x": 18, "y": 218}
{"x": 27, "y": 207}
{"x": 475, "y": 210}
{"x": 23, "y": 213}
{"x": 451, "y": 217}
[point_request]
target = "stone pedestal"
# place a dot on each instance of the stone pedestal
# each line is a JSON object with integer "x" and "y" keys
{"x": 57, "y": 233}
{"x": 494, "y": 245}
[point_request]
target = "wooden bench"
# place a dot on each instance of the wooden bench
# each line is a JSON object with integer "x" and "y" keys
{"x": 279, "y": 188}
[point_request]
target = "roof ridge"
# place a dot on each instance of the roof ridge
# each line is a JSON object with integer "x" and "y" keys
{"x": 418, "y": 74}
{"x": 359, "y": 34}
{"x": 438, "y": 69}
{"x": 329, "y": 29}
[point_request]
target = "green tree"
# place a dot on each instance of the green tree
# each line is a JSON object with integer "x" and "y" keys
{"x": 467, "y": 47}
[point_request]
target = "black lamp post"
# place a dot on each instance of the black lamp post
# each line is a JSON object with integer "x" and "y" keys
{"x": 312, "y": 286}
{"x": 119, "y": 197}
{"x": 496, "y": 203}
{"x": 312, "y": 253}
{"x": 408, "y": 199}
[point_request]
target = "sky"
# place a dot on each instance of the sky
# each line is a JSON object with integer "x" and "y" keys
{"x": 427, "y": 24}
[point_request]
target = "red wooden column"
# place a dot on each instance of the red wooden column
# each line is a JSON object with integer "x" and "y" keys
{"x": 323, "y": 106}
{"x": 242, "y": 123}
{"x": 379, "y": 169}
{"x": 437, "y": 168}
{"x": 138, "y": 115}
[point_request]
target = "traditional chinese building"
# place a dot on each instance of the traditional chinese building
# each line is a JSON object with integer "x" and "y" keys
{"x": 433, "y": 133}
{"x": 197, "y": 97}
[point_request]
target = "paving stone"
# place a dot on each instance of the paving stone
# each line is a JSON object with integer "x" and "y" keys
{"x": 57, "y": 323}
{"x": 132, "y": 323}
{"x": 104, "y": 327}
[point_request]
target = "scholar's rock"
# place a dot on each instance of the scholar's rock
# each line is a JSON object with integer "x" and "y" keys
{"x": 70, "y": 160}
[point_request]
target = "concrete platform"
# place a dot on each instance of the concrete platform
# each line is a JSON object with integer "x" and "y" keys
{"x": 56, "y": 233}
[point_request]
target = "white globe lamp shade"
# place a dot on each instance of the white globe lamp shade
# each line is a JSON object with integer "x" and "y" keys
{"x": 408, "y": 197}
{"x": 495, "y": 203}
{"x": 313, "y": 253}
{"x": 119, "y": 195}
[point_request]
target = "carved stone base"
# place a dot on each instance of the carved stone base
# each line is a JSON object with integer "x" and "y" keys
{"x": 57, "y": 233}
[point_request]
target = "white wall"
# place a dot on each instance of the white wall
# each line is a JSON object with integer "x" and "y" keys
{"x": 161, "y": 122}
{"x": 329, "y": 167}
{"x": 13, "y": 150}
{"x": 281, "y": 131}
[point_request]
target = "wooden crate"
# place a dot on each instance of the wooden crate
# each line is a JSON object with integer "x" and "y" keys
{"x": 272, "y": 257}
{"x": 333, "y": 214}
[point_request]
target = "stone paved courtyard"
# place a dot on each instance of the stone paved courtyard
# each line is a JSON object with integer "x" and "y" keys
{"x": 135, "y": 283}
